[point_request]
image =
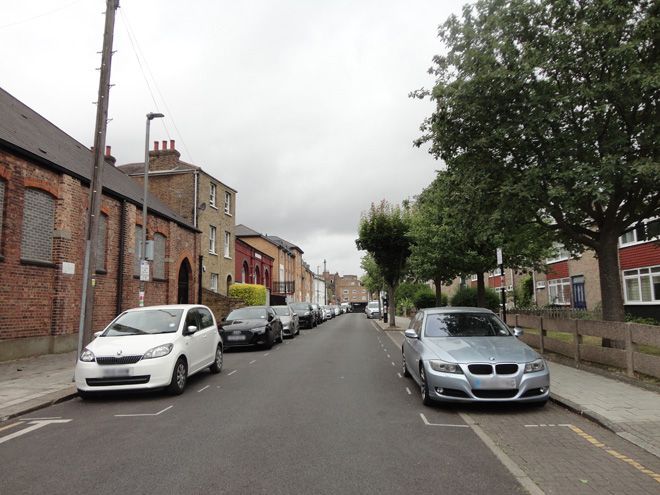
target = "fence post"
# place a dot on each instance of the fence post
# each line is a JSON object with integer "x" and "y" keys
{"x": 543, "y": 333}
{"x": 577, "y": 340}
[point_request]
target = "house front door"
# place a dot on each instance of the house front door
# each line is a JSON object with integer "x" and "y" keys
{"x": 579, "y": 296}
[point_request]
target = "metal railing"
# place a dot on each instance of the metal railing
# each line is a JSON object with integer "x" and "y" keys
{"x": 284, "y": 287}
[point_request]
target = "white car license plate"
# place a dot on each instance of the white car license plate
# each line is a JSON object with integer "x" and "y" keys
{"x": 117, "y": 372}
{"x": 496, "y": 383}
{"x": 235, "y": 337}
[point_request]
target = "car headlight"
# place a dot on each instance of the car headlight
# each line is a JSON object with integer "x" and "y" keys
{"x": 160, "y": 351}
{"x": 444, "y": 366}
{"x": 87, "y": 356}
{"x": 259, "y": 330}
{"x": 534, "y": 366}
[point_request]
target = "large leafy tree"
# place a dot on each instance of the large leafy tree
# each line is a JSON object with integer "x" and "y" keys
{"x": 460, "y": 221}
{"x": 383, "y": 234}
{"x": 562, "y": 98}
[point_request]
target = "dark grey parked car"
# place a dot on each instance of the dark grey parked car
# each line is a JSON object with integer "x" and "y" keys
{"x": 469, "y": 355}
{"x": 251, "y": 325}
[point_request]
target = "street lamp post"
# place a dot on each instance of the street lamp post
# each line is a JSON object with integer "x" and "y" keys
{"x": 143, "y": 250}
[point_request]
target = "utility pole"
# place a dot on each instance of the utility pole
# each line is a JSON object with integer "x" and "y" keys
{"x": 96, "y": 184}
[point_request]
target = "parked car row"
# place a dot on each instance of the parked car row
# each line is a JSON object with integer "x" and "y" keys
{"x": 159, "y": 347}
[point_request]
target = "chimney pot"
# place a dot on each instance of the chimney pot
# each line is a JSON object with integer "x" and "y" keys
{"x": 171, "y": 144}
{"x": 107, "y": 150}
{"x": 164, "y": 145}
{"x": 155, "y": 145}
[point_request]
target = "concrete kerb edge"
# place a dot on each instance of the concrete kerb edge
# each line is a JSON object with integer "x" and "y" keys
{"x": 41, "y": 403}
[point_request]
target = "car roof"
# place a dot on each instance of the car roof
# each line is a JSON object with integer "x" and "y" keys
{"x": 456, "y": 309}
{"x": 167, "y": 306}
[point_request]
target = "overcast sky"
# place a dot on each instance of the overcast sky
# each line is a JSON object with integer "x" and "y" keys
{"x": 300, "y": 105}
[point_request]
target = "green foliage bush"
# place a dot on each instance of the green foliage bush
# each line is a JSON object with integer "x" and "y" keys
{"x": 467, "y": 296}
{"x": 253, "y": 295}
{"x": 644, "y": 321}
{"x": 424, "y": 298}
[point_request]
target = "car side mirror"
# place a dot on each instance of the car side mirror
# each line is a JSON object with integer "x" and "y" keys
{"x": 224, "y": 318}
{"x": 191, "y": 329}
{"x": 96, "y": 334}
{"x": 411, "y": 334}
{"x": 517, "y": 332}
{"x": 294, "y": 314}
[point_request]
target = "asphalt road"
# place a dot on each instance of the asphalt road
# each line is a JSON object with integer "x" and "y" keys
{"x": 324, "y": 413}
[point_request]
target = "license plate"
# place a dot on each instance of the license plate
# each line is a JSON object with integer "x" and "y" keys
{"x": 117, "y": 372}
{"x": 496, "y": 383}
{"x": 235, "y": 337}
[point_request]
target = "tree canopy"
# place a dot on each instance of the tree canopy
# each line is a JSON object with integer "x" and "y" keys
{"x": 554, "y": 103}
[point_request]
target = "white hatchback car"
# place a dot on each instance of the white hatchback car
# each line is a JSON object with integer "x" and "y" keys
{"x": 151, "y": 347}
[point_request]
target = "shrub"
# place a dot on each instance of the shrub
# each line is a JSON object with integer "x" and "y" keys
{"x": 424, "y": 298}
{"x": 253, "y": 295}
{"x": 467, "y": 296}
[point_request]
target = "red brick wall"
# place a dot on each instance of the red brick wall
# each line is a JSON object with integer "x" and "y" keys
{"x": 39, "y": 300}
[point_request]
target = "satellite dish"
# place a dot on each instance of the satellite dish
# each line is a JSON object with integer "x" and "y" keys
{"x": 202, "y": 207}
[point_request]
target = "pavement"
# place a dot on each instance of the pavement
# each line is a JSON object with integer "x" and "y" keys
{"x": 626, "y": 407}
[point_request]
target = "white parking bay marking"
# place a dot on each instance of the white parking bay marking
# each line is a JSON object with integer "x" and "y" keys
{"x": 427, "y": 423}
{"x": 202, "y": 389}
{"x": 132, "y": 415}
{"x": 35, "y": 425}
{"x": 232, "y": 372}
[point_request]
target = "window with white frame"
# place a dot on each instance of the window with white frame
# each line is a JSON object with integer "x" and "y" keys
{"x": 227, "y": 203}
{"x": 474, "y": 278}
{"x": 645, "y": 231}
{"x": 214, "y": 282}
{"x": 212, "y": 196}
{"x": 642, "y": 285}
{"x": 560, "y": 254}
{"x": 559, "y": 291}
{"x": 212, "y": 231}
{"x": 227, "y": 241}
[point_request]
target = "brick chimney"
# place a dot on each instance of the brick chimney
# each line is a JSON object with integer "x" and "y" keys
{"x": 108, "y": 156}
{"x": 164, "y": 159}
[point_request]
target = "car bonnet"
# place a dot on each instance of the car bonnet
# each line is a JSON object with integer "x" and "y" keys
{"x": 480, "y": 349}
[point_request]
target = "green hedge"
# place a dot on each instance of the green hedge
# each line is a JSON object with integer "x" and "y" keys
{"x": 253, "y": 295}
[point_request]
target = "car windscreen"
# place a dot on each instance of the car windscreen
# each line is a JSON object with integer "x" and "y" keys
{"x": 302, "y": 306}
{"x": 464, "y": 325}
{"x": 282, "y": 310}
{"x": 145, "y": 322}
{"x": 247, "y": 314}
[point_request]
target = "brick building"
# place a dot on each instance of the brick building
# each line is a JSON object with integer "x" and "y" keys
{"x": 44, "y": 193}
{"x": 203, "y": 201}
{"x": 253, "y": 266}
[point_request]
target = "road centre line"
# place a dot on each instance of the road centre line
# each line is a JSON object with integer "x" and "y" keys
{"x": 202, "y": 389}
{"x": 35, "y": 425}
{"x": 232, "y": 372}
{"x": 253, "y": 361}
{"x": 146, "y": 414}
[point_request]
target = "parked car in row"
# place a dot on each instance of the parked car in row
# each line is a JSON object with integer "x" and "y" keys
{"x": 372, "y": 310}
{"x": 251, "y": 326}
{"x": 305, "y": 313}
{"x": 290, "y": 320}
{"x": 318, "y": 314}
{"x": 459, "y": 354}
{"x": 155, "y": 347}
{"x": 328, "y": 312}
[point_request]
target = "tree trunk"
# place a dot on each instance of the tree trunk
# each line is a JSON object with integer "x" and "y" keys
{"x": 391, "y": 308}
{"x": 438, "y": 292}
{"x": 481, "y": 291}
{"x": 610, "y": 280}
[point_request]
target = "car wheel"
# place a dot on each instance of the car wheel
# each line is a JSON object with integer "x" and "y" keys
{"x": 86, "y": 395}
{"x": 216, "y": 367}
{"x": 424, "y": 388}
{"x": 280, "y": 338}
{"x": 404, "y": 366}
{"x": 269, "y": 340}
{"x": 179, "y": 378}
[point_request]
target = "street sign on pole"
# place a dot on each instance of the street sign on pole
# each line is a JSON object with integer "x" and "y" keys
{"x": 144, "y": 271}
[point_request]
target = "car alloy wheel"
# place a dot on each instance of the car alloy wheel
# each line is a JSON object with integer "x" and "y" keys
{"x": 216, "y": 367}
{"x": 424, "y": 388}
{"x": 404, "y": 366}
{"x": 179, "y": 378}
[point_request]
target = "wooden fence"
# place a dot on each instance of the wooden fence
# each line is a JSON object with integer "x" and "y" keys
{"x": 625, "y": 339}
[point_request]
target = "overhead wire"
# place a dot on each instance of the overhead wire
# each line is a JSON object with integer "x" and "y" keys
{"x": 139, "y": 55}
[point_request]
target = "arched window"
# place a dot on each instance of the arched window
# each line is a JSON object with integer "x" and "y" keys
{"x": 245, "y": 273}
{"x": 38, "y": 226}
{"x": 257, "y": 275}
{"x": 159, "y": 256}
